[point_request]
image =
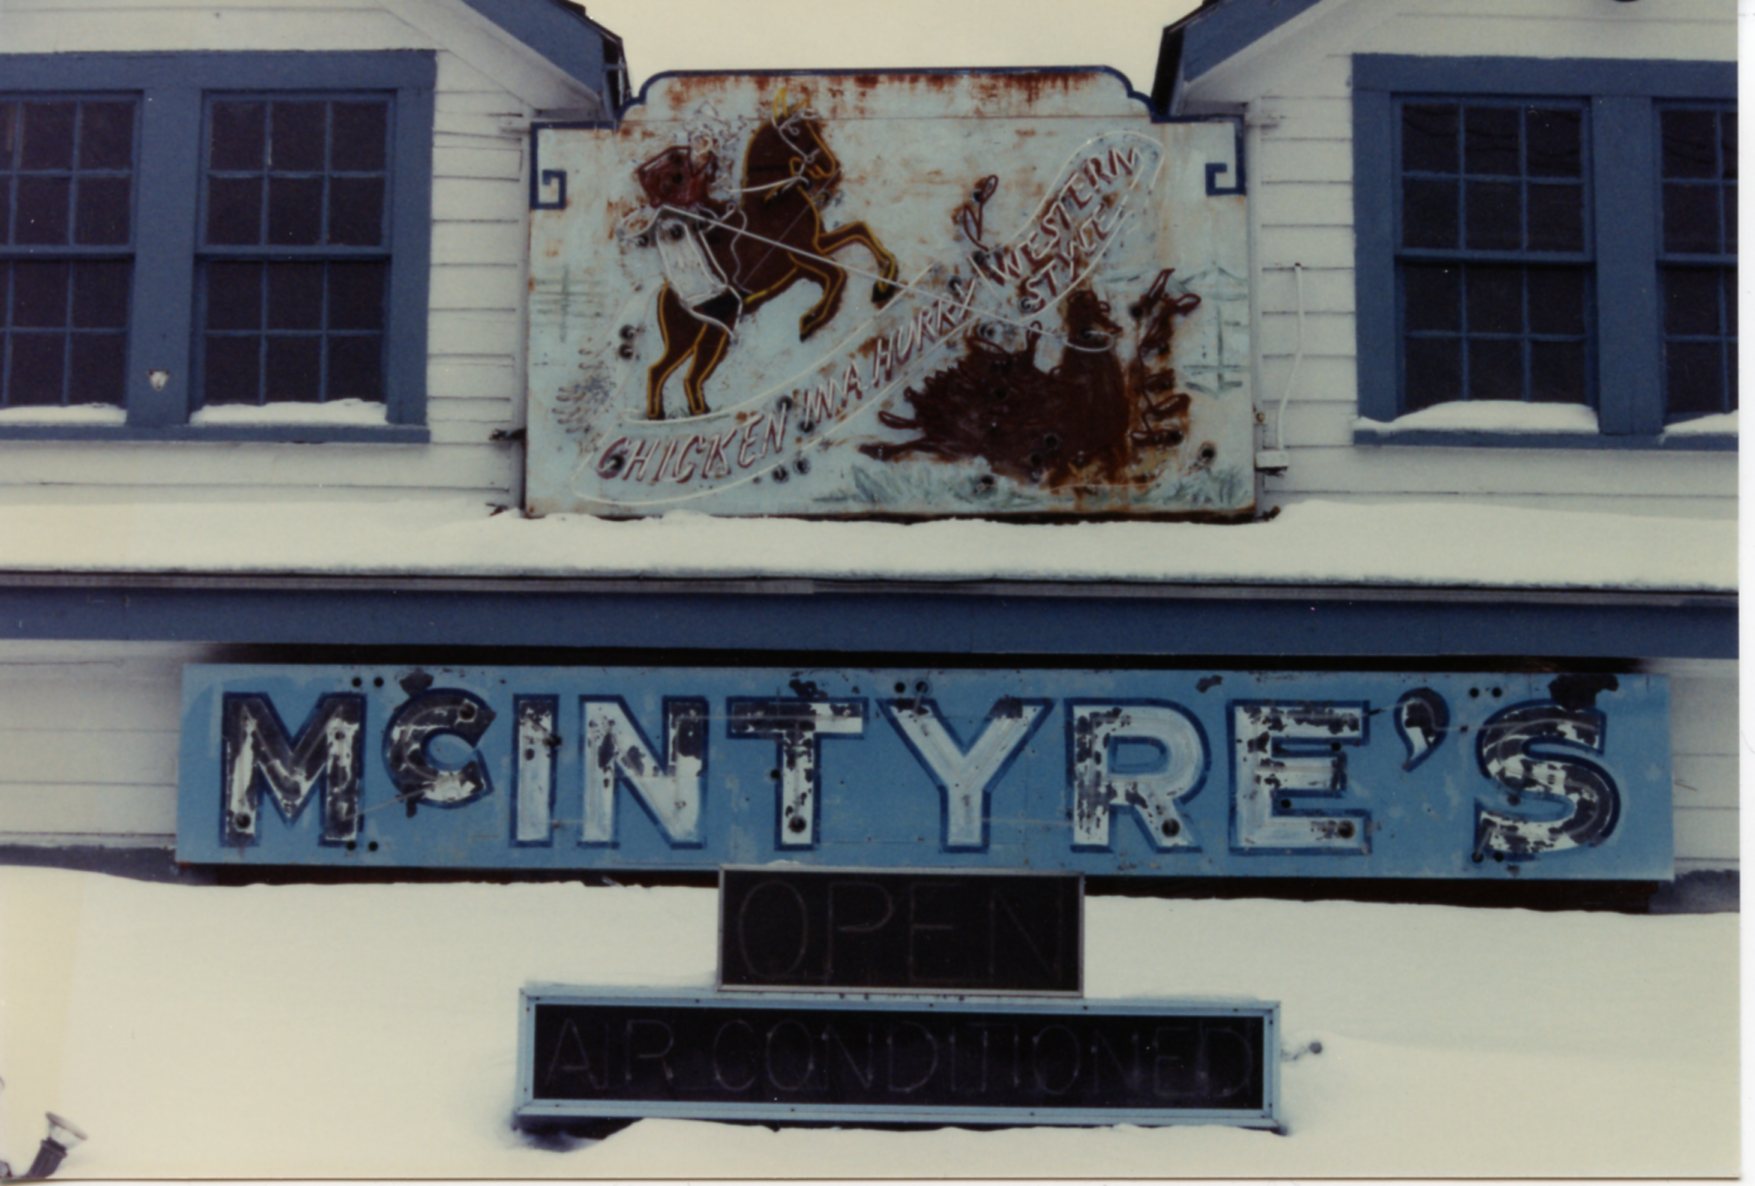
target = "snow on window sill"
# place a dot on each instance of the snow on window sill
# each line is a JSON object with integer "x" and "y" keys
{"x": 1724, "y": 424}
{"x": 76, "y": 414}
{"x": 342, "y": 411}
{"x": 1490, "y": 415}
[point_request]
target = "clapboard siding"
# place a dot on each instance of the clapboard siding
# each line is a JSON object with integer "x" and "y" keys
{"x": 1704, "y": 747}
{"x": 488, "y": 88}
{"x": 89, "y": 731}
{"x": 1295, "y": 87}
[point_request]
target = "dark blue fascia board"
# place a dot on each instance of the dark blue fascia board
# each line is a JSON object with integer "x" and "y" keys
{"x": 1545, "y": 76}
{"x": 563, "y": 35}
{"x": 222, "y": 70}
{"x": 794, "y": 617}
{"x": 1473, "y": 439}
{"x": 1213, "y": 34}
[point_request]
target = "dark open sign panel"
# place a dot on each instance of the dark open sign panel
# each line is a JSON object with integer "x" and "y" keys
{"x": 852, "y": 1058}
{"x": 902, "y": 931}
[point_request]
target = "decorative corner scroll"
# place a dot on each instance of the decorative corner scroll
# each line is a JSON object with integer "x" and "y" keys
{"x": 1218, "y": 169}
{"x": 542, "y": 179}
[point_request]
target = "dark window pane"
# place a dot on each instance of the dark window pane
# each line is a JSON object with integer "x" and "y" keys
{"x": 238, "y": 135}
{"x": 295, "y": 296}
{"x": 234, "y": 210}
{"x": 1729, "y": 276}
{"x": 39, "y": 294}
{"x": 48, "y": 136}
{"x": 9, "y": 125}
{"x": 1691, "y": 301}
{"x": 1434, "y": 372}
{"x": 1691, "y": 218}
{"x": 98, "y": 362}
{"x": 42, "y": 210}
{"x": 298, "y": 137}
{"x": 1434, "y": 300}
{"x": 1728, "y": 195}
{"x": 106, "y": 135}
{"x": 1495, "y": 369}
{"x": 1556, "y": 214}
{"x": 1690, "y": 143}
{"x": 356, "y": 367}
{"x": 232, "y": 374}
{"x": 1429, "y": 213}
{"x": 1694, "y": 376}
{"x": 293, "y": 369}
{"x": 1727, "y": 139}
{"x": 295, "y": 210}
{"x": 356, "y": 211}
{"x": 34, "y": 377}
{"x": 1557, "y": 372}
{"x": 1495, "y": 215}
{"x": 1491, "y": 143}
{"x": 1554, "y": 142}
{"x": 1556, "y": 300}
{"x": 356, "y": 296}
{"x": 1429, "y": 140}
{"x": 1495, "y": 300}
{"x": 5, "y": 209}
{"x": 360, "y": 130}
{"x": 234, "y": 296}
{"x": 100, "y": 294}
{"x": 101, "y": 210}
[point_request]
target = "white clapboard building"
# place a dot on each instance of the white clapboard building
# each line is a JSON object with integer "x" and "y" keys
{"x": 294, "y": 359}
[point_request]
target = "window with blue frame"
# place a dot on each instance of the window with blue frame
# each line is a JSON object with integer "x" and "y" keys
{"x": 213, "y": 230}
{"x": 1546, "y": 231}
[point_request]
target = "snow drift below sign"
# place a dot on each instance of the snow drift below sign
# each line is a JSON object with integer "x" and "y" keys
{"x": 970, "y": 292}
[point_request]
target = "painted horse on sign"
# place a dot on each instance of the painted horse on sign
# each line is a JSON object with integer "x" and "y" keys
{"x": 723, "y": 259}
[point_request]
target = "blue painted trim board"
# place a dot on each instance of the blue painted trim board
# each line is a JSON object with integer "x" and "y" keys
{"x": 1623, "y": 163}
{"x": 996, "y": 620}
{"x": 169, "y": 169}
{"x": 1465, "y": 439}
{"x": 561, "y": 34}
{"x": 1212, "y": 35}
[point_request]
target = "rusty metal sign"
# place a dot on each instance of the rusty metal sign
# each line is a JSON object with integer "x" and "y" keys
{"x": 843, "y": 1058}
{"x": 916, "y": 293}
{"x": 1132, "y": 773}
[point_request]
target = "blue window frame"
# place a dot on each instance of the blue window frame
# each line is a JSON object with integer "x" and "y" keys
{"x": 1512, "y": 221}
{"x": 264, "y": 237}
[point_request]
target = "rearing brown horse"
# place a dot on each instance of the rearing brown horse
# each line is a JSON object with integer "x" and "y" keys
{"x": 772, "y": 239}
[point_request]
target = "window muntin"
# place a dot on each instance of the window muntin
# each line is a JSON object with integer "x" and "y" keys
{"x": 1494, "y": 256}
{"x": 1697, "y": 237}
{"x": 295, "y": 248}
{"x": 66, "y": 264}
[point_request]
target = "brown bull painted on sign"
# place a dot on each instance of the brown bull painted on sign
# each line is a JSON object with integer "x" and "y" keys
{"x": 1085, "y": 420}
{"x": 724, "y": 260}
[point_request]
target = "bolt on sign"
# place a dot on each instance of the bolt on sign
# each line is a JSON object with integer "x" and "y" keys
{"x": 599, "y": 1054}
{"x": 911, "y": 293}
{"x": 1113, "y": 773}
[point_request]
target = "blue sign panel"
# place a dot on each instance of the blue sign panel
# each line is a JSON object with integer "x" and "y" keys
{"x": 849, "y": 1058}
{"x": 1134, "y": 773}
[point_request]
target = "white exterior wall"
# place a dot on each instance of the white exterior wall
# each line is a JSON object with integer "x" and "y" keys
{"x": 1296, "y": 85}
{"x": 488, "y": 86}
{"x": 90, "y": 734}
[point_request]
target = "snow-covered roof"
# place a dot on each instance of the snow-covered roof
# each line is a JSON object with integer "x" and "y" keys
{"x": 1418, "y": 544}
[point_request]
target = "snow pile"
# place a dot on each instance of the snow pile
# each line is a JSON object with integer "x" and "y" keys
{"x": 1724, "y": 423}
{"x": 1315, "y": 542}
{"x": 370, "y": 1030}
{"x": 1490, "y": 415}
